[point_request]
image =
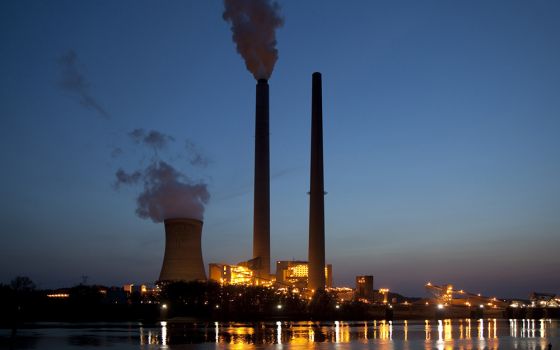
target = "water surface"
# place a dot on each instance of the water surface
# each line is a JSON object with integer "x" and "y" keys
{"x": 387, "y": 335}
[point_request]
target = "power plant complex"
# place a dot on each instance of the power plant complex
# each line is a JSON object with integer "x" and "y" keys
{"x": 183, "y": 253}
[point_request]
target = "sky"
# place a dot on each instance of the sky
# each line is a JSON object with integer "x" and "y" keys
{"x": 441, "y": 148}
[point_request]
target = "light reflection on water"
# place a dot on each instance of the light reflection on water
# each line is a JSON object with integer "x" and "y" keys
{"x": 440, "y": 334}
{"x": 445, "y": 334}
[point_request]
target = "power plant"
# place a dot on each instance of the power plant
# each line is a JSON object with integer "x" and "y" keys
{"x": 316, "y": 191}
{"x": 261, "y": 209}
{"x": 182, "y": 260}
{"x": 183, "y": 254}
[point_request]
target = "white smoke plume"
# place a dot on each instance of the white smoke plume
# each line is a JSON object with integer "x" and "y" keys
{"x": 167, "y": 193}
{"x": 254, "y": 23}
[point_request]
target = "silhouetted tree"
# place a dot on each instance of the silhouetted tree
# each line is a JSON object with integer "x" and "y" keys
{"x": 322, "y": 305}
{"x": 22, "y": 284}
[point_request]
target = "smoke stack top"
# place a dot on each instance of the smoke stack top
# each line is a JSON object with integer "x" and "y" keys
{"x": 253, "y": 24}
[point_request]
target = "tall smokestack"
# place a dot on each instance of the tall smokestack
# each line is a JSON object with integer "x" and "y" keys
{"x": 317, "y": 191}
{"x": 182, "y": 260}
{"x": 261, "y": 218}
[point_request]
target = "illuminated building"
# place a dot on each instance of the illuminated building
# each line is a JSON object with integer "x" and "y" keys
{"x": 231, "y": 274}
{"x": 382, "y": 296}
{"x": 140, "y": 288}
{"x": 447, "y": 295}
{"x": 342, "y": 294}
{"x": 364, "y": 288}
{"x": 545, "y": 299}
{"x": 295, "y": 274}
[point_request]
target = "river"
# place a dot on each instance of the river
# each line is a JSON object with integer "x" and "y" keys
{"x": 462, "y": 334}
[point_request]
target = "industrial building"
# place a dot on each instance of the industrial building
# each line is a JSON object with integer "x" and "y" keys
{"x": 231, "y": 274}
{"x": 364, "y": 289}
{"x": 296, "y": 274}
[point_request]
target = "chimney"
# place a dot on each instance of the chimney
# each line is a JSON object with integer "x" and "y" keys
{"x": 182, "y": 260}
{"x": 317, "y": 191}
{"x": 261, "y": 215}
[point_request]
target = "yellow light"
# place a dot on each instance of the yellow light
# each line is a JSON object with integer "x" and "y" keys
{"x": 58, "y": 295}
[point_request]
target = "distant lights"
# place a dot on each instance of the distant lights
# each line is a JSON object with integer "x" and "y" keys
{"x": 279, "y": 306}
{"x": 440, "y": 306}
{"x": 164, "y": 306}
{"x": 58, "y": 295}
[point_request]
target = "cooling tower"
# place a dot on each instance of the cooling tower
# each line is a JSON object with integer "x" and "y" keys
{"x": 261, "y": 214}
{"x": 183, "y": 254}
{"x": 317, "y": 191}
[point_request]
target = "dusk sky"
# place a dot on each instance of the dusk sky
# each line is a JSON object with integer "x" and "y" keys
{"x": 441, "y": 138}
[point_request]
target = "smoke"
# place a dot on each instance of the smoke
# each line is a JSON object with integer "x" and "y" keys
{"x": 124, "y": 178}
{"x": 152, "y": 138}
{"x": 116, "y": 152}
{"x": 195, "y": 156}
{"x": 166, "y": 192}
{"x": 73, "y": 81}
{"x": 169, "y": 194}
{"x": 254, "y": 23}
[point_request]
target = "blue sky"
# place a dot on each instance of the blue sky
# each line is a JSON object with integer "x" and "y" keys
{"x": 442, "y": 154}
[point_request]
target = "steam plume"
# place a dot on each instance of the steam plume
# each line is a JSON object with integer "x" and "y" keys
{"x": 124, "y": 178}
{"x": 166, "y": 192}
{"x": 254, "y": 23}
{"x": 152, "y": 138}
{"x": 196, "y": 158}
{"x": 73, "y": 80}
